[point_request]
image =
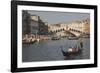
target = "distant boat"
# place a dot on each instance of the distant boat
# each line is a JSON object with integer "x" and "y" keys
{"x": 38, "y": 40}
{"x": 72, "y": 38}
{"x": 55, "y": 38}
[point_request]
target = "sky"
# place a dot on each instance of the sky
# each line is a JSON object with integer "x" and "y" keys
{"x": 57, "y": 17}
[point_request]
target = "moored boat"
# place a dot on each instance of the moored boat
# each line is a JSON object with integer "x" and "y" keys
{"x": 55, "y": 38}
{"x": 28, "y": 41}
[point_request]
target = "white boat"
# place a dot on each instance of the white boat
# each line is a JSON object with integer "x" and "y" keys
{"x": 38, "y": 40}
{"x": 72, "y": 38}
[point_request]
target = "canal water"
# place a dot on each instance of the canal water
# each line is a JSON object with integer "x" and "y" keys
{"x": 50, "y": 50}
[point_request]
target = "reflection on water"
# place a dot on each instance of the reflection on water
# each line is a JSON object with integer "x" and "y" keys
{"x": 49, "y": 50}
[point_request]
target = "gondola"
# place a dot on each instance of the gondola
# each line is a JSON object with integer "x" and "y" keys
{"x": 72, "y": 51}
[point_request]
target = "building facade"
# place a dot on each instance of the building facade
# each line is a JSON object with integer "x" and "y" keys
{"x": 34, "y": 24}
{"x": 25, "y": 22}
{"x": 38, "y": 26}
{"x": 43, "y": 28}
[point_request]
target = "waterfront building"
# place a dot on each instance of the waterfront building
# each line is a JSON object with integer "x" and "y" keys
{"x": 25, "y": 22}
{"x": 43, "y": 28}
{"x": 38, "y": 26}
{"x": 34, "y": 24}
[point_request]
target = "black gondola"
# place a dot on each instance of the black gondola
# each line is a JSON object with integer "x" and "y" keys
{"x": 72, "y": 51}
